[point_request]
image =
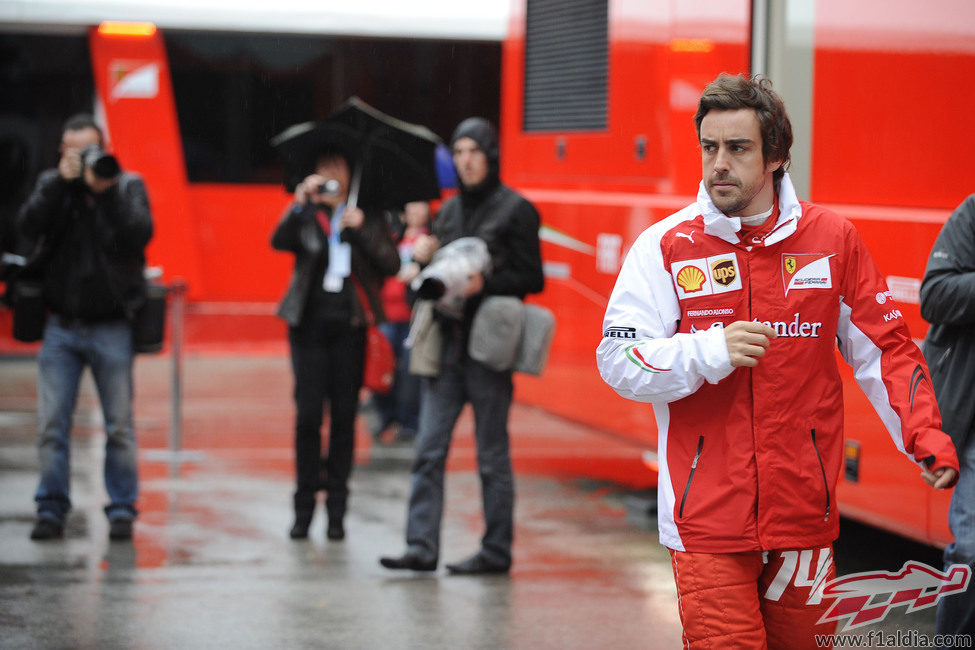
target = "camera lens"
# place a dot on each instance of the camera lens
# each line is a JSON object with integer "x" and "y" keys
{"x": 102, "y": 164}
{"x": 330, "y": 187}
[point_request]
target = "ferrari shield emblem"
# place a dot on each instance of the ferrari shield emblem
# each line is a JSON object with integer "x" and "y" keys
{"x": 790, "y": 265}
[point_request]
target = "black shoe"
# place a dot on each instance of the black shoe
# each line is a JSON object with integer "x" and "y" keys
{"x": 46, "y": 528}
{"x": 120, "y": 529}
{"x": 408, "y": 560}
{"x": 335, "y": 531}
{"x": 477, "y": 565}
{"x": 300, "y": 528}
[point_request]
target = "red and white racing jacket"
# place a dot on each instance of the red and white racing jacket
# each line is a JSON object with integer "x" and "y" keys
{"x": 749, "y": 457}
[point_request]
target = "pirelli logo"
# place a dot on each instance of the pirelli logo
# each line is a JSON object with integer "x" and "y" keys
{"x": 620, "y": 333}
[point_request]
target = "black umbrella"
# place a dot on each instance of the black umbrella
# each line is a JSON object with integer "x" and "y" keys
{"x": 393, "y": 161}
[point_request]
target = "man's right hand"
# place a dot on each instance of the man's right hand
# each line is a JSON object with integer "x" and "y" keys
{"x": 424, "y": 248}
{"x": 747, "y": 341}
{"x": 70, "y": 166}
{"x": 307, "y": 192}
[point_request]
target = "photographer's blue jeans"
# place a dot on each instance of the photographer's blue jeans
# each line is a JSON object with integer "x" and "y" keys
{"x": 956, "y": 613}
{"x": 66, "y": 350}
{"x": 442, "y": 398}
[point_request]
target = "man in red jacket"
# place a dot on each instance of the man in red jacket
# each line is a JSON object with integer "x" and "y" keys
{"x": 726, "y": 317}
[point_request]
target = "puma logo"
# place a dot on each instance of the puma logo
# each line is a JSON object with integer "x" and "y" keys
{"x": 690, "y": 236}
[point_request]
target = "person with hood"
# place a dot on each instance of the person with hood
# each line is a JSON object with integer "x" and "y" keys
{"x": 948, "y": 303}
{"x": 508, "y": 224}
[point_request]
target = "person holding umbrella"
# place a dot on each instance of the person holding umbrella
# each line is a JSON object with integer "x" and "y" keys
{"x": 342, "y": 254}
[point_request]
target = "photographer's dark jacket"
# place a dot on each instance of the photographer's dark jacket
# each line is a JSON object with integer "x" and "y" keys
{"x": 948, "y": 303}
{"x": 90, "y": 250}
{"x": 508, "y": 223}
{"x": 374, "y": 257}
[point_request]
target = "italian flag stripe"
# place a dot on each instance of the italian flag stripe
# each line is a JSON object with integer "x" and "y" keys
{"x": 634, "y": 355}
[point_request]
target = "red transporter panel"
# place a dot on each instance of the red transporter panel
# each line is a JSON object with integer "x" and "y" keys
{"x": 135, "y": 91}
{"x": 890, "y": 79}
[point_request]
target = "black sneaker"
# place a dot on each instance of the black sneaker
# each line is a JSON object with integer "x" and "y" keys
{"x": 46, "y": 528}
{"x": 120, "y": 529}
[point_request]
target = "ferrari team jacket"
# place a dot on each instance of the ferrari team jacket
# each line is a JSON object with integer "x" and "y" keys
{"x": 749, "y": 457}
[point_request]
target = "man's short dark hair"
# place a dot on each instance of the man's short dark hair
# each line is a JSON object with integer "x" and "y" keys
{"x": 729, "y": 93}
{"x": 80, "y": 121}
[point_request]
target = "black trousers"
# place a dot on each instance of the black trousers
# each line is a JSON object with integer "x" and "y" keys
{"x": 327, "y": 369}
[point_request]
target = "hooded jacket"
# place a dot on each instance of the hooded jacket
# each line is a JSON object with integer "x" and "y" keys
{"x": 749, "y": 457}
{"x": 948, "y": 303}
{"x": 507, "y": 222}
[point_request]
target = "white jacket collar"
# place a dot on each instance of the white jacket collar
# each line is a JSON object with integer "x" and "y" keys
{"x": 718, "y": 224}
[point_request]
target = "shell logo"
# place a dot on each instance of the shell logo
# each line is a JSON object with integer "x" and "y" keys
{"x": 691, "y": 279}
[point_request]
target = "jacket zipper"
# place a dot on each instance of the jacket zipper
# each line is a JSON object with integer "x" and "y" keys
{"x": 822, "y": 468}
{"x": 690, "y": 477}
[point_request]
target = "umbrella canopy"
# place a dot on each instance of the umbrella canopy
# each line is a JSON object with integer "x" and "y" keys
{"x": 393, "y": 162}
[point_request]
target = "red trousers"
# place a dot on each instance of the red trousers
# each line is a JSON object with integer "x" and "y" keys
{"x": 754, "y": 600}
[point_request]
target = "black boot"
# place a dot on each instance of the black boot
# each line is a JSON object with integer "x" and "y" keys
{"x": 335, "y": 509}
{"x": 302, "y": 521}
{"x": 335, "y": 531}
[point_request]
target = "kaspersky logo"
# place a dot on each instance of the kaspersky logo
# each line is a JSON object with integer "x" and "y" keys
{"x": 633, "y": 354}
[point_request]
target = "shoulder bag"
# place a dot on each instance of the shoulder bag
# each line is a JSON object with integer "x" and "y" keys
{"x": 379, "y": 365}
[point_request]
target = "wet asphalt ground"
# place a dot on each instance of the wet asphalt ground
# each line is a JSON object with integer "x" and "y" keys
{"x": 211, "y": 564}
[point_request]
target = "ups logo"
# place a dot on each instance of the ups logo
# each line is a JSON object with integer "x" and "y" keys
{"x": 724, "y": 272}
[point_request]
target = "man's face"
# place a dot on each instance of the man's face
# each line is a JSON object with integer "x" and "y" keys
{"x": 470, "y": 161}
{"x": 335, "y": 167}
{"x": 76, "y": 141}
{"x": 735, "y": 174}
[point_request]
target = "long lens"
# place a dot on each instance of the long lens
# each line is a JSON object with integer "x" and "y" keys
{"x": 102, "y": 164}
{"x": 106, "y": 166}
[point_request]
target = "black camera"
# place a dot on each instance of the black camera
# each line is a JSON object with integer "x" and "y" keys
{"x": 102, "y": 164}
{"x": 330, "y": 187}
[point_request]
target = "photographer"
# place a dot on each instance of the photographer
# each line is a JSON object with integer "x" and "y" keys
{"x": 91, "y": 223}
{"x": 336, "y": 247}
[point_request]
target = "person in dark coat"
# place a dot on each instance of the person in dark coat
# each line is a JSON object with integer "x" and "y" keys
{"x": 339, "y": 250}
{"x": 948, "y": 303}
{"x": 508, "y": 224}
{"x": 91, "y": 224}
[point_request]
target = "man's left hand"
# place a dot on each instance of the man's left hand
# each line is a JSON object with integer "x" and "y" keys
{"x": 941, "y": 478}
